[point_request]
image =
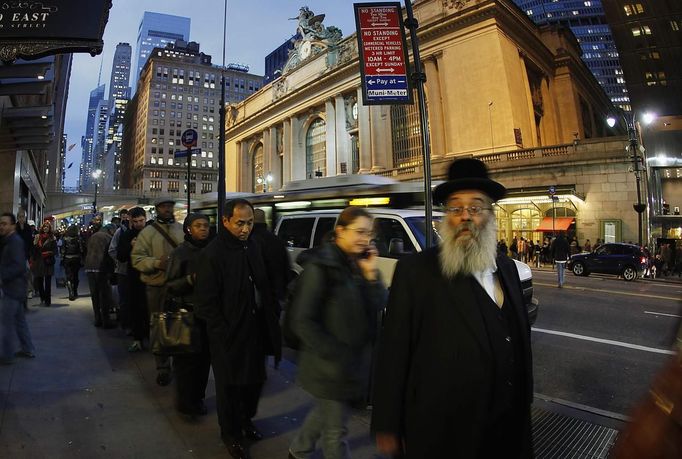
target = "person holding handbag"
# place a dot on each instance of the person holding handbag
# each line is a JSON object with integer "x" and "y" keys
{"x": 150, "y": 257}
{"x": 191, "y": 370}
{"x": 42, "y": 263}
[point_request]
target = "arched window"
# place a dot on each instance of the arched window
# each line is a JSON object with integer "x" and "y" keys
{"x": 316, "y": 150}
{"x": 258, "y": 177}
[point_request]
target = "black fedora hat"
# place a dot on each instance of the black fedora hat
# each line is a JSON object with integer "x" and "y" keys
{"x": 468, "y": 174}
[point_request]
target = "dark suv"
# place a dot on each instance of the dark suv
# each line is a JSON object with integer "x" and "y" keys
{"x": 626, "y": 260}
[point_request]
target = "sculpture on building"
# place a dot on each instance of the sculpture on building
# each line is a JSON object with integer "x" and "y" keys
{"x": 314, "y": 37}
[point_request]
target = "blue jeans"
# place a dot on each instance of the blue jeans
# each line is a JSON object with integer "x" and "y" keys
{"x": 560, "y": 269}
{"x": 13, "y": 322}
{"x": 327, "y": 421}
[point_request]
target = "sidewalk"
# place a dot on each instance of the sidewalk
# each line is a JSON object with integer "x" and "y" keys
{"x": 85, "y": 396}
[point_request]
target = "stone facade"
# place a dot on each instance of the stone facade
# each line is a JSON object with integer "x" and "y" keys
{"x": 498, "y": 87}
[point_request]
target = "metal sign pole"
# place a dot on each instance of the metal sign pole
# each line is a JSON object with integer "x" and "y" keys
{"x": 221, "y": 134}
{"x": 189, "y": 165}
{"x": 418, "y": 80}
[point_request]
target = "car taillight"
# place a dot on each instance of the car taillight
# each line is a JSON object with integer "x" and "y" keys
{"x": 643, "y": 260}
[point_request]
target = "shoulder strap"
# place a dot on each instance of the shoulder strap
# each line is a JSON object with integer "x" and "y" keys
{"x": 165, "y": 235}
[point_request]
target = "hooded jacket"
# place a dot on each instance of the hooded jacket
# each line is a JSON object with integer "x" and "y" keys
{"x": 150, "y": 247}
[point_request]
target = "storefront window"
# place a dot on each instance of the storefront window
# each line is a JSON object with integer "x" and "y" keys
{"x": 524, "y": 222}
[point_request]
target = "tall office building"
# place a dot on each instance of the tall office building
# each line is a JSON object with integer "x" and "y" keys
{"x": 649, "y": 38}
{"x": 156, "y": 31}
{"x": 587, "y": 21}
{"x": 87, "y": 141}
{"x": 120, "y": 73}
{"x": 119, "y": 95}
{"x": 179, "y": 89}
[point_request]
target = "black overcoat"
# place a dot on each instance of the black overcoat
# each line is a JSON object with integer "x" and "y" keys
{"x": 240, "y": 334}
{"x": 434, "y": 370}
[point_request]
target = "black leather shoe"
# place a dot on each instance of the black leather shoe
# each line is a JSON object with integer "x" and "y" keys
{"x": 237, "y": 450}
{"x": 251, "y": 432}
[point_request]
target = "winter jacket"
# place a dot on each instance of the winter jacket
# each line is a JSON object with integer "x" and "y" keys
{"x": 334, "y": 314}
{"x": 560, "y": 249}
{"x": 72, "y": 247}
{"x": 97, "y": 256}
{"x": 121, "y": 268}
{"x": 13, "y": 267}
{"x": 150, "y": 247}
{"x": 236, "y": 299}
{"x": 43, "y": 258}
{"x": 182, "y": 267}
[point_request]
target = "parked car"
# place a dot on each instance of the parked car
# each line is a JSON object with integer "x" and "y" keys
{"x": 398, "y": 232}
{"x": 626, "y": 260}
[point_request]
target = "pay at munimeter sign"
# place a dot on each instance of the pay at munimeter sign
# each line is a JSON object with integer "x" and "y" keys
{"x": 382, "y": 45}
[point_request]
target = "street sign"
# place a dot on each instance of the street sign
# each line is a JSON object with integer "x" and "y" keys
{"x": 183, "y": 153}
{"x": 189, "y": 138}
{"x": 383, "y": 56}
{"x": 552, "y": 191}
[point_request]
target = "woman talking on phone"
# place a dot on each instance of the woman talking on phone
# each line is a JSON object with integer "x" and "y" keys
{"x": 334, "y": 315}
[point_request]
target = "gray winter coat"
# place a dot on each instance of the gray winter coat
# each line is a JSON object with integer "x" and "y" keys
{"x": 334, "y": 313}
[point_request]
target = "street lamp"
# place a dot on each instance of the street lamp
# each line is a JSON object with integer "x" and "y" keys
{"x": 633, "y": 147}
{"x": 96, "y": 174}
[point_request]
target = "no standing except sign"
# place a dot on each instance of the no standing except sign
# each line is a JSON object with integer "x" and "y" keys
{"x": 382, "y": 48}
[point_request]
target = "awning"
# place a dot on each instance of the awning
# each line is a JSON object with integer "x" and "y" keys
{"x": 555, "y": 224}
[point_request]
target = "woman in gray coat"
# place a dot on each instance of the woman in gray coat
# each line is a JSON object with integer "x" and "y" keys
{"x": 334, "y": 314}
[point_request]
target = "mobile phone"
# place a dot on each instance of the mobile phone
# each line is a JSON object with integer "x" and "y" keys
{"x": 365, "y": 254}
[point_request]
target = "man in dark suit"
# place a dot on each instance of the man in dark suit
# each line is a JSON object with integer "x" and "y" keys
{"x": 453, "y": 372}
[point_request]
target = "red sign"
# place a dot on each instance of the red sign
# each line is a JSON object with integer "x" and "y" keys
{"x": 382, "y": 48}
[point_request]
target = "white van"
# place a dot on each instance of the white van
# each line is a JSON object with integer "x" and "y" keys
{"x": 398, "y": 232}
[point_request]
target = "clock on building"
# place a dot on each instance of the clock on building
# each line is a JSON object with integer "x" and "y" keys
{"x": 305, "y": 50}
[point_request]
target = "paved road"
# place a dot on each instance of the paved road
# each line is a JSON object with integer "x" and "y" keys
{"x": 600, "y": 340}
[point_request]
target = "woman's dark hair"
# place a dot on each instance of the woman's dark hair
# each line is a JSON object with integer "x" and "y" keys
{"x": 137, "y": 212}
{"x": 350, "y": 214}
{"x": 228, "y": 210}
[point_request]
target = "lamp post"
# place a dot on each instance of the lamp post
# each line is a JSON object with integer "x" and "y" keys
{"x": 96, "y": 174}
{"x": 638, "y": 163}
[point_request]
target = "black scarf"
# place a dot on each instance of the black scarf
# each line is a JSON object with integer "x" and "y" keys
{"x": 195, "y": 243}
{"x": 165, "y": 221}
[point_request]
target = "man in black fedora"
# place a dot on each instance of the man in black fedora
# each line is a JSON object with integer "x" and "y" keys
{"x": 453, "y": 371}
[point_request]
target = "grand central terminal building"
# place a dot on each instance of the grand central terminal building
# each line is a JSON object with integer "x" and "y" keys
{"x": 499, "y": 88}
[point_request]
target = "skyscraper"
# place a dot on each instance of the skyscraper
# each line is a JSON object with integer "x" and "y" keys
{"x": 119, "y": 95}
{"x": 649, "y": 38}
{"x": 120, "y": 73}
{"x": 156, "y": 31}
{"x": 587, "y": 21}
{"x": 87, "y": 141}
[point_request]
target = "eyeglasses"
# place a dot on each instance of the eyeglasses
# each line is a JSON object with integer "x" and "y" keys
{"x": 472, "y": 210}
{"x": 362, "y": 232}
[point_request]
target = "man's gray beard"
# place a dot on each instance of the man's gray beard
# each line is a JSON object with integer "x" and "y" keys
{"x": 475, "y": 253}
